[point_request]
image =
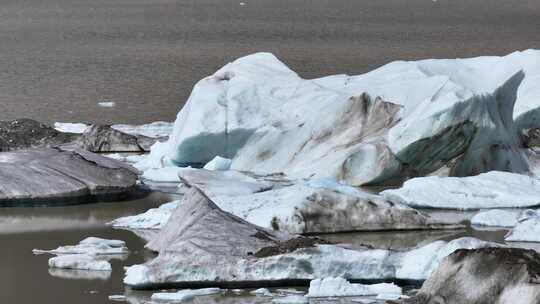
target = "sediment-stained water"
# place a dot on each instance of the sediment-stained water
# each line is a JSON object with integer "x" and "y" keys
{"x": 60, "y": 59}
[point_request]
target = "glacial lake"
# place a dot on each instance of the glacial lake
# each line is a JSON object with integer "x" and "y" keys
{"x": 26, "y": 278}
{"x": 59, "y": 58}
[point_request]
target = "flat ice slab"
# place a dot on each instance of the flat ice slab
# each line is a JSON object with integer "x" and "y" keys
{"x": 494, "y": 189}
{"x": 496, "y": 218}
{"x": 340, "y": 287}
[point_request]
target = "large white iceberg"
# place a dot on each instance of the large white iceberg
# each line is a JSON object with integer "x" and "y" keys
{"x": 493, "y": 189}
{"x": 463, "y": 114}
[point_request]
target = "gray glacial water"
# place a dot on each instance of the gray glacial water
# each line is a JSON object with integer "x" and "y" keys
{"x": 59, "y": 58}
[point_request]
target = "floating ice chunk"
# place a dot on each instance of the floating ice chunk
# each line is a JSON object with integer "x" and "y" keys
{"x": 90, "y": 246}
{"x": 154, "y": 218}
{"x": 493, "y": 189}
{"x": 80, "y": 262}
{"x": 430, "y": 114}
{"x": 68, "y": 127}
{"x": 106, "y": 104}
{"x": 496, "y": 218}
{"x": 218, "y": 164}
{"x": 340, "y": 287}
{"x": 183, "y": 295}
{"x": 291, "y": 299}
{"x": 265, "y": 292}
{"x": 118, "y": 298}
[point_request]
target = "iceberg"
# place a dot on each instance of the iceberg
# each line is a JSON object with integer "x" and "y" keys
{"x": 202, "y": 245}
{"x": 463, "y": 115}
{"x": 493, "y": 189}
{"x": 90, "y": 246}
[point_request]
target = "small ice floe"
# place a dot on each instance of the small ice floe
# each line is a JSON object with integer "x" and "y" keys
{"x": 527, "y": 229}
{"x": 264, "y": 292}
{"x": 91, "y": 253}
{"x": 68, "y": 127}
{"x": 184, "y": 295}
{"x": 340, "y": 287}
{"x": 154, "y": 218}
{"x": 117, "y": 298}
{"x": 90, "y": 246}
{"x": 79, "y": 262}
{"x": 291, "y": 299}
{"x": 106, "y": 104}
{"x": 496, "y": 218}
{"x": 218, "y": 164}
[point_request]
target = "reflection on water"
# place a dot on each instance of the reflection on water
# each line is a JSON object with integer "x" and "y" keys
{"x": 74, "y": 274}
{"x": 88, "y": 216}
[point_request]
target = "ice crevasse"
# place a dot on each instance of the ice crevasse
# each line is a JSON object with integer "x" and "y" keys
{"x": 457, "y": 117}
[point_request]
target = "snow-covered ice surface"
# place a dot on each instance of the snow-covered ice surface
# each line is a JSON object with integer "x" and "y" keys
{"x": 462, "y": 113}
{"x": 496, "y": 218}
{"x": 493, "y": 189}
{"x": 218, "y": 164}
{"x": 340, "y": 287}
{"x": 153, "y": 218}
{"x": 90, "y": 246}
{"x": 527, "y": 229}
{"x": 79, "y": 262}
